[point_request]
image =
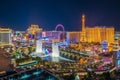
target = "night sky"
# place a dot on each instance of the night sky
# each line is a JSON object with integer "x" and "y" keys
{"x": 19, "y": 14}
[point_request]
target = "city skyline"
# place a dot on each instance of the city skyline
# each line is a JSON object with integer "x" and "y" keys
{"x": 59, "y": 40}
{"x": 18, "y": 15}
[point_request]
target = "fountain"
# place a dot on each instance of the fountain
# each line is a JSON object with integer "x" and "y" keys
{"x": 39, "y": 51}
{"x": 38, "y": 46}
{"x": 55, "y": 50}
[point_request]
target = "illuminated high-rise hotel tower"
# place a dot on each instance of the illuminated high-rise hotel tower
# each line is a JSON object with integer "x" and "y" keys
{"x": 83, "y": 37}
{"x": 5, "y": 36}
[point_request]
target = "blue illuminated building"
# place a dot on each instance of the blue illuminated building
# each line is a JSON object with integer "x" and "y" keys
{"x": 118, "y": 58}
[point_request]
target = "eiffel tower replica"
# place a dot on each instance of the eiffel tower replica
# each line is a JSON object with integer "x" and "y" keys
{"x": 83, "y": 35}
